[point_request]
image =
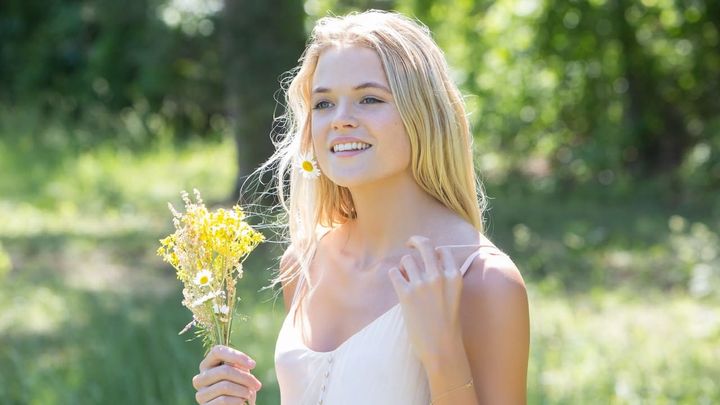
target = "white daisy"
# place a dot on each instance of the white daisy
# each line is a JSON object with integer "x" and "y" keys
{"x": 203, "y": 278}
{"x": 308, "y": 167}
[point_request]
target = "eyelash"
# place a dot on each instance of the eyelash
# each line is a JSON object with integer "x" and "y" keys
{"x": 317, "y": 106}
{"x": 374, "y": 100}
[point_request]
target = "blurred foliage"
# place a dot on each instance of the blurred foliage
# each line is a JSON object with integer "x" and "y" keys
{"x": 79, "y": 60}
{"x": 602, "y": 92}
{"x": 599, "y": 92}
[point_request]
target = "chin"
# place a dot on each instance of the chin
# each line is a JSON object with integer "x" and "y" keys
{"x": 350, "y": 182}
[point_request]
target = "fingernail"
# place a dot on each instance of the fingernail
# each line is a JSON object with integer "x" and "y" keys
{"x": 251, "y": 362}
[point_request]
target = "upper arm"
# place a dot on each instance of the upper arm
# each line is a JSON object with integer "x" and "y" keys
{"x": 496, "y": 330}
{"x": 287, "y": 262}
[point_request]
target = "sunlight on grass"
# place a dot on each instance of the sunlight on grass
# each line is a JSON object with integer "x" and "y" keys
{"x": 38, "y": 310}
{"x": 109, "y": 191}
{"x": 626, "y": 350}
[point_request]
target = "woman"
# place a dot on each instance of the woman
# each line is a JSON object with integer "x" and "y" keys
{"x": 394, "y": 295}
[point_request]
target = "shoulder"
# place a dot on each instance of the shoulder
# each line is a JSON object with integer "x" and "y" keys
{"x": 288, "y": 262}
{"x": 493, "y": 286}
{"x": 494, "y": 276}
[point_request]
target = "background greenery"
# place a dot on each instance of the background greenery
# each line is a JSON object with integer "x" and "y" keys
{"x": 597, "y": 131}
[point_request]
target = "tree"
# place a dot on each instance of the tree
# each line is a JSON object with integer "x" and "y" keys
{"x": 260, "y": 41}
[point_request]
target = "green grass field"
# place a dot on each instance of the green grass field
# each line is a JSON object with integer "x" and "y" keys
{"x": 623, "y": 288}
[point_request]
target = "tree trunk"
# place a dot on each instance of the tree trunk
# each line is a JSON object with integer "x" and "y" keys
{"x": 656, "y": 126}
{"x": 260, "y": 41}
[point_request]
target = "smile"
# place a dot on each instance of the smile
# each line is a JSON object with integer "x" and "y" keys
{"x": 350, "y": 147}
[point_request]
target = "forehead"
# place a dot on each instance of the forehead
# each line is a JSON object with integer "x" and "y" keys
{"x": 347, "y": 66}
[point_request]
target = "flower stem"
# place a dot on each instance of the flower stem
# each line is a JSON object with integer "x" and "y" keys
{"x": 218, "y": 330}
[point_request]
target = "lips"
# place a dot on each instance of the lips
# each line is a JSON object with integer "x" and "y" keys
{"x": 353, "y": 147}
{"x": 348, "y": 144}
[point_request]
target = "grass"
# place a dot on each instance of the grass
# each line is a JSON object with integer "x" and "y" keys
{"x": 623, "y": 289}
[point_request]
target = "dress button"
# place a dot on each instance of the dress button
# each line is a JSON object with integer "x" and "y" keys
{"x": 327, "y": 373}
{"x": 322, "y": 388}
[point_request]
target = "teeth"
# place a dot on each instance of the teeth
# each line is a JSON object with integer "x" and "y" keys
{"x": 350, "y": 146}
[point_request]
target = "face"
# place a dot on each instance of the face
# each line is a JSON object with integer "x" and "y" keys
{"x": 352, "y": 103}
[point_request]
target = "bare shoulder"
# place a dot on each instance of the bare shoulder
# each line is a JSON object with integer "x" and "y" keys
{"x": 289, "y": 261}
{"x": 496, "y": 277}
{"x": 492, "y": 287}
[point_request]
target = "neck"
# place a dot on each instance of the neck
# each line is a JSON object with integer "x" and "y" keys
{"x": 388, "y": 214}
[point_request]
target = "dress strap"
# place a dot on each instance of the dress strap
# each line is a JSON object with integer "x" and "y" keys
{"x": 464, "y": 268}
{"x": 480, "y": 249}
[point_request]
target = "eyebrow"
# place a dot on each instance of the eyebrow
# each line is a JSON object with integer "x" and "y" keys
{"x": 365, "y": 85}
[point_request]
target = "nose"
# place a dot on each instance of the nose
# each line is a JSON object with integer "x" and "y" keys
{"x": 344, "y": 117}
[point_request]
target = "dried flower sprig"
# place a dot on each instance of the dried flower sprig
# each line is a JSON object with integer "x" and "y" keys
{"x": 207, "y": 249}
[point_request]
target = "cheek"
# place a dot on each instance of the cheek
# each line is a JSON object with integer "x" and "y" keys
{"x": 318, "y": 144}
{"x": 400, "y": 136}
{"x": 316, "y": 132}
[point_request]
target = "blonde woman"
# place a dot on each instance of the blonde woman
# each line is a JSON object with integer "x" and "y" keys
{"x": 394, "y": 295}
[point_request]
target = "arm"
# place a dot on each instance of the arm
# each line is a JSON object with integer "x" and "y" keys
{"x": 494, "y": 346}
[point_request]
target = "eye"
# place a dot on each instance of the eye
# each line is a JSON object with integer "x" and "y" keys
{"x": 322, "y": 105}
{"x": 370, "y": 100}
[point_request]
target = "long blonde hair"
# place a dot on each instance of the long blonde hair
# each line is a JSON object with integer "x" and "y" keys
{"x": 432, "y": 111}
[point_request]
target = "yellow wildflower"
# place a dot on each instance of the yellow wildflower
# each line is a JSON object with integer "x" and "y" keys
{"x": 207, "y": 250}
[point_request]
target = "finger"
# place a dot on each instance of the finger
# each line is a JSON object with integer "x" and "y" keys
{"x": 253, "y": 397}
{"x": 398, "y": 281}
{"x": 447, "y": 260}
{"x": 226, "y": 373}
{"x": 227, "y": 401}
{"x": 223, "y": 354}
{"x": 414, "y": 273}
{"x": 427, "y": 252}
{"x": 222, "y": 389}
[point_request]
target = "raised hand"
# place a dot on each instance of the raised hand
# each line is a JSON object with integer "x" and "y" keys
{"x": 429, "y": 294}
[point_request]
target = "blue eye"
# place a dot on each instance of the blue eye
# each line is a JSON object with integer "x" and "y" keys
{"x": 370, "y": 100}
{"x": 321, "y": 105}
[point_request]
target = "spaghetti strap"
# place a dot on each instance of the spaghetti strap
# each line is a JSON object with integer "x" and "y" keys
{"x": 469, "y": 261}
{"x": 466, "y": 265}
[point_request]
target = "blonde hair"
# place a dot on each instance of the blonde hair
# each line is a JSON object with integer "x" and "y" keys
{"x": 432, "y": 111}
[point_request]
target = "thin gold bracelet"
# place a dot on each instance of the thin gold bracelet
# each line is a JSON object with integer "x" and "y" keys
{"x": 468, "y": 384}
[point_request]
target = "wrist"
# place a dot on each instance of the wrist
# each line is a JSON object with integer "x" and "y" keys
{"x": 448, "y": 354}
{"x": 447, "y": 367}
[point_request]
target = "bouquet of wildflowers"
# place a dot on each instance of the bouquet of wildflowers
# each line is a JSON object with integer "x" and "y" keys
{"x": 207, "y": 250}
